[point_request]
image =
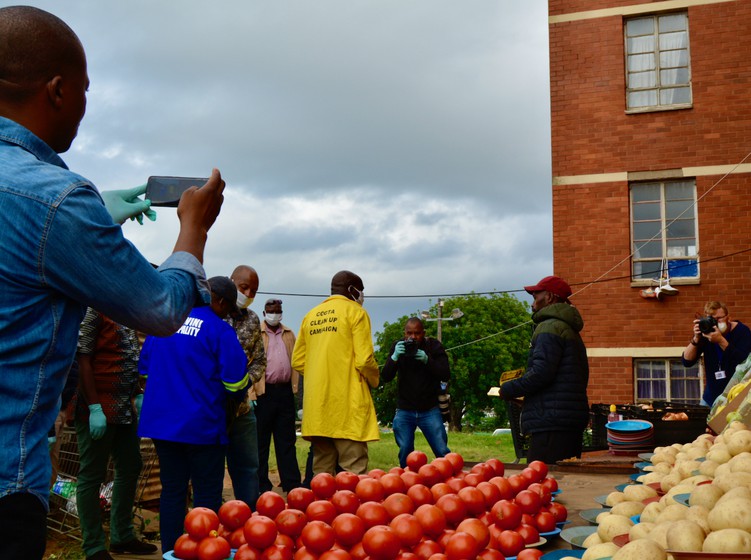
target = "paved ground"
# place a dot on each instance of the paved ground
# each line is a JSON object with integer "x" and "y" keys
{"x": 578, "y": 491}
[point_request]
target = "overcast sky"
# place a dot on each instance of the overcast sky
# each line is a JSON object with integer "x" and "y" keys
{"x": 405, "y": 140}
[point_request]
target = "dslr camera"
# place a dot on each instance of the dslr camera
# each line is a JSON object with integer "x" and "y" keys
{"x": 707, "y": 324}
{"x": 410, "y": 347}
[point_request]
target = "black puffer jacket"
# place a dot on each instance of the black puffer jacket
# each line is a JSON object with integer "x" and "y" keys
{"x": 554, "y": 386}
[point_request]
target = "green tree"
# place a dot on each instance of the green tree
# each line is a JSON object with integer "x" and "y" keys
{"x": 492, "y": 337}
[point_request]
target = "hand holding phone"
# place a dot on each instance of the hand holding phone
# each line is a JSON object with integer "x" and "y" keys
{"x": 166, "y": 191}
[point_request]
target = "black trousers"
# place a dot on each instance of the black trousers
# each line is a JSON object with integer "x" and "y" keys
{"x": 275, "y": 416}
{"x": 23, "y": 527}
{"x": 551, "y": 447}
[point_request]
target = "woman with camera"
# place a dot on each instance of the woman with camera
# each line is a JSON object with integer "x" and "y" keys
{"x": 723, "y": 343}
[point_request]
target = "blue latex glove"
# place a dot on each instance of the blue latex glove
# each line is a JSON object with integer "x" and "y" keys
{"x": 97, "y": 421}
{"x": 124, "y": 203}
{"x": 398, "y": 351}
{"x": 138, "y": 403}
{"x": 421, "y": 356}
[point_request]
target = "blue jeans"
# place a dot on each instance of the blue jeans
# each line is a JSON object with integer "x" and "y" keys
{"x": 242, "y": 458}
{"x": 179, "y": 465}
{"x": 430, "y": 423}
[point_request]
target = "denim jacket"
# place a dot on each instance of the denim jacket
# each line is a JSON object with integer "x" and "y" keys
{"x": 59, "y": 253}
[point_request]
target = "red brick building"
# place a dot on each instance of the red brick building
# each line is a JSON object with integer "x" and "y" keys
{"x": 651, "y": 142}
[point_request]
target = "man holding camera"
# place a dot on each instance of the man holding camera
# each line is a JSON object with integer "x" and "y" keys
{"x": 724, "y": 344}
{"x": 422, "y": 364}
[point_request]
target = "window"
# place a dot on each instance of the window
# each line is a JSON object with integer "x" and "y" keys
{"x": 667, "y": 380}
{"x": 658, "y": 75}
{"x": 663, "y": 230}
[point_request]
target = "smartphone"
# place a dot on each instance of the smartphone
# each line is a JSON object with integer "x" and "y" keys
{"x": 166, "y": 191}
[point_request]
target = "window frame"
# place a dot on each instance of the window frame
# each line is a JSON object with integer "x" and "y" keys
{"x": 658, "y": 68}
{"x": 699, "y": 367}
{"x": 642, "y": 280}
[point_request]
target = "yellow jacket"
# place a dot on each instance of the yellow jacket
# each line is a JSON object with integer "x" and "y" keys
{"x": 334, "y": 353}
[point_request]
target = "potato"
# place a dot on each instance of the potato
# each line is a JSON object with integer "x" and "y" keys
{"x": 741, "y": 462}
{"x": 685, "y": 536}
{"x": 604, "y": 550}
{"x": 659, "y": 533}
{"x": 708, "y": 467}
{"x": 649, "y": 478}
{"x": 592, "y": 540}
{"x": 727, "y": 540}
{"x": 686, "y": 468}
{"x": 722, "y": 470}
{"x": 738, "y": 492}
{"x": 643, "y": 549}
{"x": 629, "y": 509}
{"x": 640, "y": 531}
{"x": 612, "y": 526}
{"x": 614, "y": 498}
{"x": 719, "y": 454}
{"x": 662, "y": 468}
{"x": 670, "y": 480}
{"x": 734, "y": 513}
{"x": 697, "y": 452}
{"x": 733, "y": 480}
{"x": 705, "y": 495}
{"x": 638, "y": 492}
{"x": 699, "y": 515}
{"x": 673, "y": 512}
{"x": 651, "y": 511}
{"x": 601, "y": 516}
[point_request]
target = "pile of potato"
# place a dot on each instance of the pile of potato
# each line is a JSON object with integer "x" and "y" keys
{"x": 718, "y": 516}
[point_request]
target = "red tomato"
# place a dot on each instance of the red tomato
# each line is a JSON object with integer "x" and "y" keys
{"x": 517, "y": 483}
{"x": 260, "y": 531}
{"x": 456, "y": 460}
{"x": 284, "y": 540}
{"x": 528, "y": 520}
{"x": 346, "y": 480}
{"x": 529, "y": 554}
{"x": 392, "y": 484}
{"x": 462, "y": 546}
{"x": 420, "y": 494}
{"x": 559, "y": 511}
{"x": 430, "y": 475}
{"x": 200, "y": 521}
{"x": 510, "y": 543}
{"x": 407, "y": 556}
{"x": 396, "y": 504}
{"x": 369, "y": 490}
{"x": 381, "y": 543}
{"x": 545, "y": 521}
{"x": 444, "y": 538}
{"x": 345, "y": 501}
{"x": 531, "y": 475}
{"x": 290, "y": 522}
{"x": 473, "y": 478}
{"x": 321, "y": 510}
{"x": 477, "y": 529}
{"x": 529, "y": 533}
{"x": 456, "y": 483}
{"x": 277, "y": 552}
{"x": 410, "y": 478}
{"x": 416, "y": 459}
{"x": 323, "y": 485}
{"x": 544, "y": 493}
{"x": 506, "y": 514}
{"x": 270, "y": 504}
{"x": 453, "y": 508}
{"x": 473, "y": 500}
{"x": 300, "y": 498}
{"x": 425, "y": 549}
{"x": 485, "y": 471}
{"x": 335, "y": 554}
{"x": 440, "y": 489}
{"x": 490, "y": 493}
{"x": 491, "y": 554}
{"x": 234, "y": 513}
{"x": 246, "y": 552}
{"x": 348, "y": 528}
{"x": 237, "y": 538}
{"x": 539, "y": 466}
{"x": 186, "y": 547}
{"x": 376, "y": 473}
{"x": 396, "y": 470}
{"x": 373, "y": 513}
{"x": 501, "y": 483}
{"x": 444, "y": 467}
{"x": 432, "y": 519}
{"x": 497, "y": 466}
{"x": 528, "y": 501}
{"x": 214, "y": 548}
{"x": 551, "y": 484}
{"x": 438, "y": 556}
{"x": 318, "y": 536}
{"x": 303, "y": 553}
{"x": 358, "y": 552}
{"x": 407, "y": 528}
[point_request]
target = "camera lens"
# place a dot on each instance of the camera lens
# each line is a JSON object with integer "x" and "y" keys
{"x": 707, "y": 324}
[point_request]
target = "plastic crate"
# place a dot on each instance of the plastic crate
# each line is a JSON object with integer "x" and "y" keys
{"x": 668, "y": 432}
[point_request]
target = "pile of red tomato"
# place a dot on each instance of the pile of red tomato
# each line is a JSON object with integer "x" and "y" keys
{"x": 428, "y": 511}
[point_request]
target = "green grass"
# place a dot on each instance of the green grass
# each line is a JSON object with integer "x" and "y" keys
{"x": 384, "y": 454}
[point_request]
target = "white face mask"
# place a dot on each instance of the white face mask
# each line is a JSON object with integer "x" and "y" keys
{"x": 360, "y": 295}
{"x": 243, "y": 301}
{"x": 273, "y": 319}
{"x": 722, "y": 326}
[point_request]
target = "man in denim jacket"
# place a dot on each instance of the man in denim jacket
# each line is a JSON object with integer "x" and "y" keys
{"x": 60, "y": 251}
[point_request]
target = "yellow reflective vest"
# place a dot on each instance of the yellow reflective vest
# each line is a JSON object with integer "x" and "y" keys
{"x": 334, "y": 353}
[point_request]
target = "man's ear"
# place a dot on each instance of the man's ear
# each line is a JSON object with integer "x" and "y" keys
{"x": 55, "y": 91}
